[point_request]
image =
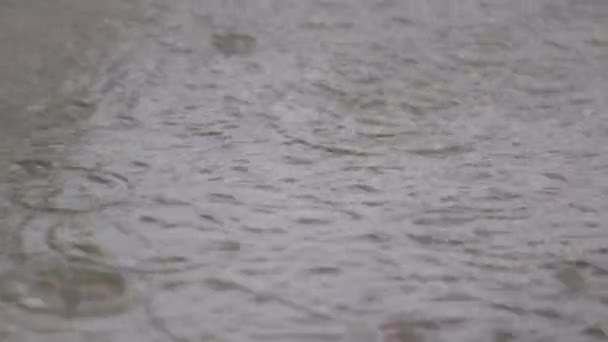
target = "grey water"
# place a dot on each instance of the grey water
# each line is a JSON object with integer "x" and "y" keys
{"x": 324, "y": 170}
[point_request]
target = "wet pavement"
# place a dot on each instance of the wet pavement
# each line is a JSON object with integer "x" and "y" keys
{"x": 322, "y": 171}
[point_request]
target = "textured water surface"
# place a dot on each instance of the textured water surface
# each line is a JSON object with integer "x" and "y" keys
{"x": 335, "y": 171}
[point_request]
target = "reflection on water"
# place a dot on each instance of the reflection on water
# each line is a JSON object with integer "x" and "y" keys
{"x": 326, "y": 171}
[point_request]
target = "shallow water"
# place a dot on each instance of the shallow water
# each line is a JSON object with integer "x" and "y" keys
{"x": 335, "y": 171}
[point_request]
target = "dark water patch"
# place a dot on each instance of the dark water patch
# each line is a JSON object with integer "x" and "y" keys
{"x": 313, "y": 221}
{"x": 550, "y": 190}
{"x": 382, "y": 135}
{"x": 149, "y": 219}
{"x": 431, "y": 240}
{"x": 545, "y": 89}
{"x": 598, "y": 42}
{"x": 459, "y": 214}
{"x": 232, "y": 43}
{"x": 401, "y": 331}
{"x": 170, "y": 123}
{"x": 322, "y": 25}
{"x": 210, "y": 218}
{"x": 293, "y": 160}
{"x": 141, "y": 164}
{"x": 548, "y": 313}
{"x": 509, "y": 308}
{"x": 230, "y": 246}
{"x": 192, "y": 107}
{"x": 501, "y": 335}
{"x": 598, "y": 331}
{"x": 170, "y": 201}
{"x": 455, "y": 296}
{"x": 297, "y": 336}
{"x": 370, "y": 104}
{"x": 219, "y": 284}
{"x": 121, "y": 122}
{"x": 265, "y": 210}
{"x": 35, "y": 167}
{"x": 372, "y": 121}
{"x": 583, "y": 208}
{"x": 595, "y": 267}
{"x": 486, "y": 266}
{"x": 408, "y": 328}
{"x": 267, "y": 187}
{"x": 331, "y": 90}
{"x": 375, "y": 237}
{"x": 352, "y": 214}
{"x": 442, "y": 152}
{"x": 403, "y": 21}
{"x": 363, "y": 188}
{"x": 334, "y": 150}
{"x": 306, "y": 197}
{"x": 558, "y": 45}
{"x": 223, "y": 198}
{"x": 444, "y": 220}
{"x": 168, "y": 259}
{"x": 555, "y": 176}
{"x": 242, "y": 169}
{"x": 324, "y": 270}
{"x": 477, "y": 61}
{"x": 498, "y": 194}
{"x": 374, "y": 204}
{"x": 506, "y": 217}
{"x": 263, "y": 230}
{"x": 591, "y": 224}
{"x": 448, "y": 199}
{"x": 88, "y": 248}
{"x": 208, "y": 134}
